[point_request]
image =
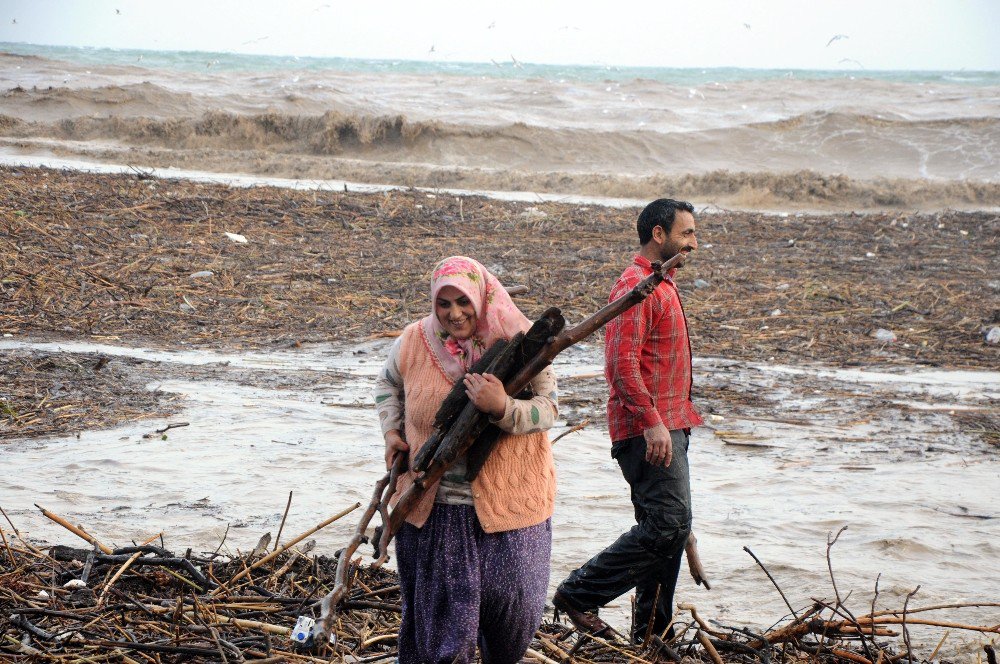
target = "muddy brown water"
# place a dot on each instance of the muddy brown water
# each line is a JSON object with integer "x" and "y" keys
{"x": 876, "y": 451}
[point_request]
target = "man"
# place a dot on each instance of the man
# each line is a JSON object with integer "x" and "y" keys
{"x": 650, "y": 416}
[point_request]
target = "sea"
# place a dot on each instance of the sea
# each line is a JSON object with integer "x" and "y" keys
{"x": 747, "y": 138}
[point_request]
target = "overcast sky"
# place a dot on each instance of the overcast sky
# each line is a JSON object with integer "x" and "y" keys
{"x": 875, "y": 34}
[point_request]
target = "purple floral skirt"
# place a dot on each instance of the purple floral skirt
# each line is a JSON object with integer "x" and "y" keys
{"x": 462, "y": 586}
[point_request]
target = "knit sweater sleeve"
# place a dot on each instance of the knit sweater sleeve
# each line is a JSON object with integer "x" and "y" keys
{"x": 389, "y": 391}
{"x": 539, "y": 413}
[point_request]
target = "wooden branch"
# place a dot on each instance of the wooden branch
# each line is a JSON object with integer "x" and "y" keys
{"x": 799, "y": 628}
{"x": 284, "y": 517}
{"x": 76, "y": 530}
{"x": 573, "y": 429}
{"x": 382, "y": 548}
{"x": 340, "y": 587}
{"x": 384, "y": 489}
{"x": 694, "y": 562}
{"x": 935, "y": 607}
{"x": 605, "y": 315}
{"x": 684, "y": 606}
{"x": 121, "y": 570}
{"x": 890, "y": 620}
{"x": 709, "y": 648}
{"x": 773, "y": 582}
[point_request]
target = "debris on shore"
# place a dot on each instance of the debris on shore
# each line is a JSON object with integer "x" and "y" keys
{"x": 145, "y": 603}
{"x": 111, "y": 257}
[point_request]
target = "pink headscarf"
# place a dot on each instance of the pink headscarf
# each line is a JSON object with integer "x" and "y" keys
{"x": 497, "y": 317}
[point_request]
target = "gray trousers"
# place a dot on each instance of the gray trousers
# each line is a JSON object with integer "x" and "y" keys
{"x": 648, "y": 555}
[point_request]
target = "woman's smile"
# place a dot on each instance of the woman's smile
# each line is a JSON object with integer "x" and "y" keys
{"x": 455, "y": 312}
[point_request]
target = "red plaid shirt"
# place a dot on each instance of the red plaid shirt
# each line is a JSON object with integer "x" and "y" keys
{"x": 647, "y": 359}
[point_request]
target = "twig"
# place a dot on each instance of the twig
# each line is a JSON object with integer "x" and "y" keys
{"x": 534, "y": 654}
{"x": 399, "y": 465}
{"x": 695, "y": 565}
{"x": 773, "y": 582}
{"x": 938, "y": 607}
{"x": 875, "y": 596}
{"x": 706, "y": 643}
{"x": 176, "y": 425}
{"x": 121, "y": 570}
{"x": 840, "y": 603}
{"x": 829, "y": 564}
{"x": 694, "y": 614}
{"x": 906, "y": 632}
{"x": 334, "y": 597}
{"x": 76, "y": 530}
{"x": 283, "y": 517}
{"x": 6, "y": 546}
{"x": 572, "y": 429}
{"x": 652, "y": 617}
{"x": 940, "y": 643}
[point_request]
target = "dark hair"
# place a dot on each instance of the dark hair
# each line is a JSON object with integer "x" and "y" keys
{"x": 660, "y": 212}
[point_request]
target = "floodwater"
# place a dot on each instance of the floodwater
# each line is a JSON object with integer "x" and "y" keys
{"x": 790, "y": 454}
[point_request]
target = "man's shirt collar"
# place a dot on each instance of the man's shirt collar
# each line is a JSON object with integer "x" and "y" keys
{"x": 647, "y": 267}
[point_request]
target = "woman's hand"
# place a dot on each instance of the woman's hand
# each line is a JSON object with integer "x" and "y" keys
{"x": 486, "y": 393}
{"x": 394, "y": 443}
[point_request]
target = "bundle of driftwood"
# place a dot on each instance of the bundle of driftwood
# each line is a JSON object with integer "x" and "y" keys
{"x": 144, "y": 603}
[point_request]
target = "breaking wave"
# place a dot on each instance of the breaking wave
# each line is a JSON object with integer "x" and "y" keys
{"x": 836, "y": 158}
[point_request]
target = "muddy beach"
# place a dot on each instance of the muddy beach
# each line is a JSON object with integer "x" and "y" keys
{"x": 113, "y": 331}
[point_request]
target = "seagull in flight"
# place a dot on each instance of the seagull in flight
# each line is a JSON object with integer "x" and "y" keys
{"x": 746, "y": 25}
{"x": 835, "y": 38}
{"x": 432, "y": 49}
{"x": 516, "y": 63}
{"x": 491, "y": 25}
{"x": 852, "y": 61}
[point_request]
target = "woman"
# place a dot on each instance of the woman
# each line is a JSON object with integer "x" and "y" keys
{"x": 473, "y": 557}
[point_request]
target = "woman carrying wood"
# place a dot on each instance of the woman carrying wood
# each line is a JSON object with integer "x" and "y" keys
{"x": 473, "y": 556}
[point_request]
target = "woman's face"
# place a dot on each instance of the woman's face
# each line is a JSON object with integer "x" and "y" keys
{"x": 455, "y": 312}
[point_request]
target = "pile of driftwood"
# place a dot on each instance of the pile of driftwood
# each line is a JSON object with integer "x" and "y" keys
{"x": 131, "y": 258}
{"x": 144, "y": 603}
{"x": 58, "y": 393}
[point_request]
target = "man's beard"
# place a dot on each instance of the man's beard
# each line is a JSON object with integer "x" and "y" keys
{"x": 669, "y": 252}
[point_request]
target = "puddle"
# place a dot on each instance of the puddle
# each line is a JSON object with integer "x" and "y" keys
{"x": 790, "y": 454}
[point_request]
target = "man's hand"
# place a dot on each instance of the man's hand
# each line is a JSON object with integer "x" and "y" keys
{"x": 394, "y": 443}
{"x": 659, "y": 447}
{"x": 486, "y": 393}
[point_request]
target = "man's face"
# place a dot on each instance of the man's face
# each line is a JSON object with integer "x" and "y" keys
{"x": 682, "y": 237}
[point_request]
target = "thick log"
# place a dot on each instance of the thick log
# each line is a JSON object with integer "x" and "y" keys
{"x": 550, "y": 324}
{"x": 457, "y": 406}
